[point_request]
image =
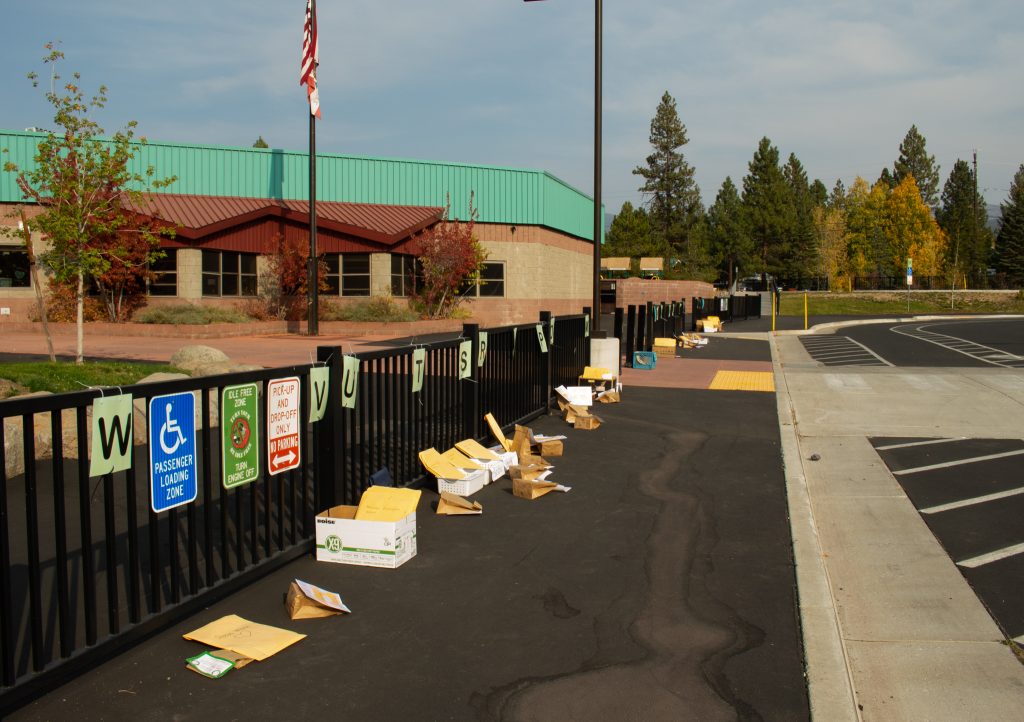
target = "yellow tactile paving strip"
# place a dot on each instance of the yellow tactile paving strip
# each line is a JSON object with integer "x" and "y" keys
{"x": 743, "y": 381}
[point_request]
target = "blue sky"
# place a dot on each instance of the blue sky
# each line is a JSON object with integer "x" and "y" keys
{"x": 503, "y": 82}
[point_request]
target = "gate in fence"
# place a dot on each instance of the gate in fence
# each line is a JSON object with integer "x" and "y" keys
{"x": 125, "y": 510}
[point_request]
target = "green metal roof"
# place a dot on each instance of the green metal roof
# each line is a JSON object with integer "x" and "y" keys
{"x": 502, "y": 195}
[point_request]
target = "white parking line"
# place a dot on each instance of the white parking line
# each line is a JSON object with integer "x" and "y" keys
{"x": 995, "y": 556}
{"x": 958, "y": 462}
{"x": 918, "y": 443}
{"x": 971, "y": 502}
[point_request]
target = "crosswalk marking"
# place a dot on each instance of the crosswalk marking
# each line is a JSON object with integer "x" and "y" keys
{"x": 926, "y": 442}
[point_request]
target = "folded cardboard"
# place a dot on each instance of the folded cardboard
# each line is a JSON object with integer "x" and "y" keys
{"x": 343, "y": 539}
{"x": 453, "y": 505}
{"x": 587, "y": 423}
{"x": 306, "y": 601}
{"x": 525, "y": 489}
{"x": 529, "y": 472}
{"x": 252, "y": 640}
{"x": 611, "y": 396}
{"x": 216, "y": 664}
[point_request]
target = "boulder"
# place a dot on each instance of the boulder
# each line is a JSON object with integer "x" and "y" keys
{"x": 192, "y": 357}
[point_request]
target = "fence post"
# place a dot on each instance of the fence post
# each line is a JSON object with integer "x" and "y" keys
{"x": 545, "y": 322}
{"x": 471, "y": 414}
{"x": 641, "y": 327}
{"x": 630, "y": 334}
{"x": 649, "y": 328}
{"x": 327, "y": 438}
{"x": 618, "y": 323}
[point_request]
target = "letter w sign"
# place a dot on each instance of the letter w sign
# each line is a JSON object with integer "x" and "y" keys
{"x": 111, "y": 435}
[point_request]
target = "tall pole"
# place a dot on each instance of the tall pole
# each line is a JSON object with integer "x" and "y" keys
{"x": 598, "y": 215}
{"x": 312, "y": 277}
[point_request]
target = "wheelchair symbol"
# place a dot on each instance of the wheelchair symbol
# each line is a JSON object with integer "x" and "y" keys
{"x": 171, "y": 428}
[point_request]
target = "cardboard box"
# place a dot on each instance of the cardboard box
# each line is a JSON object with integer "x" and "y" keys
{"x": 342, "y": 539}
{"x": 525, "y": 489}
{"x": 553, "y": 447}
{"x": 587, "y": 423}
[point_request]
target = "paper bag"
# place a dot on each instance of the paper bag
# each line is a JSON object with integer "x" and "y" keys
{"x": 452, "y": 504}
{"x": 535, "y": 489}
{"x": 305, "y": 601}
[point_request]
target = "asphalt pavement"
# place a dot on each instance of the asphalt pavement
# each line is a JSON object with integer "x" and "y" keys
{"x": 661, "y": 587}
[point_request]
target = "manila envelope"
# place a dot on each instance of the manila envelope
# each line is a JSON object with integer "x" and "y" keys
{"x": 452, "y": 504}
{"x": 492, "y": 424}
{"x": 475, "y": 450}
{"x": 256, "y": 641}
{"x": 460, "y": 461}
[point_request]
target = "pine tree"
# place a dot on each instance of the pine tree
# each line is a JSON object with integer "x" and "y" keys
{"x": 260, "y": 143}
{"x": 915, "y": 161}
{"x": 728, "y": 235}
{"x": 819, "y": 193}
{"x": 800, "y": 261}
{"x": 887, "y": 179}
{"x": 768, "y": 208}
{"x": 837, "y": 199}
{"x": 1010, "y": 241}
{"x": 673, "y": 197}
{"x": 630, "y": 235}
{"x": 963, "y": 217}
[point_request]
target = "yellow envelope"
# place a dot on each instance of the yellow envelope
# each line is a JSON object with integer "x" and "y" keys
{"x": 459, "y": 460}
{"x": 498, "y": 433}
{"x": 475, "y": 450}
{"x": 256, "y": 641}
{"x": 438, "y": 466}
{"x": 385, "y": 503}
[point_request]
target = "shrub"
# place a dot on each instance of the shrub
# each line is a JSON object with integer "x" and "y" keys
{"x": 187, "y": 314}
{"x": 380, "y": 309}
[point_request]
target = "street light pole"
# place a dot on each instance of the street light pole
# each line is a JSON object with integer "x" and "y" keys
{"x": 595, "y": 326}
{"x": 598, "y": 215}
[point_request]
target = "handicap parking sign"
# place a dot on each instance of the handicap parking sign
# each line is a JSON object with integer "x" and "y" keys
{"x": 172, "y": 450}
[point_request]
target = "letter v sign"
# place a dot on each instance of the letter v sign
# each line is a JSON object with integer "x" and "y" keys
{"x": 111, "y": 435}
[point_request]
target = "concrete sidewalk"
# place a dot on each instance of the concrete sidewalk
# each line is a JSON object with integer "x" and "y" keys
{"x": 892, "y": 630}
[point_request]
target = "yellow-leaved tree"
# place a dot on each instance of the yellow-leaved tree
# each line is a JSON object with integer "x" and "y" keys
{"x": 832, "y": 240}
{"x": 912, "y": 231}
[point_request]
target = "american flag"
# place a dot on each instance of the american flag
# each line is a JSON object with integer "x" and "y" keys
{"x": 310, "y": 59}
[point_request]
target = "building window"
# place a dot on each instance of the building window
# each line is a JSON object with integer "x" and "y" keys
{"x": 403, "y": 274}
{"x": 228, "y": 273}
{"x": 355, "y": 274}
{"x": 165, "y": 282}
{"x": 14, "y": 268}
{"x": 492, "y": 281}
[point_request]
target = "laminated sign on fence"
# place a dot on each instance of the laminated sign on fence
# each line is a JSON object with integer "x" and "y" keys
{"x": 240, "y": 448}
{"x": 283, "y": 446}
{"x": 172, "y": 450}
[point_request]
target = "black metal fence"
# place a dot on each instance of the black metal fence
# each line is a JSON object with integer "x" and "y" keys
{"x": 638, "y": 326}
{"x": 728, "y": 308}
{"x": 87, "y": 567}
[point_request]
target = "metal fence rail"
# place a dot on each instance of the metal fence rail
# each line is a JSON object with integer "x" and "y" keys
{"x": 87, "y": 567}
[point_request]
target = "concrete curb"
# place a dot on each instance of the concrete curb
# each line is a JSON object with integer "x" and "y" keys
{"x": 829, "y": 679}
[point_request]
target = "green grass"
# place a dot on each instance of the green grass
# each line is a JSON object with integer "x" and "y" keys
{"x": 186, "y": 314}
{"x": 68, "y": 376}
{"x": 888, "y": 303}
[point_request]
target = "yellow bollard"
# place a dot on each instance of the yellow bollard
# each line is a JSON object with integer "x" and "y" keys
{"x": 773, "y": 310}
{"x": 805, "y": 310}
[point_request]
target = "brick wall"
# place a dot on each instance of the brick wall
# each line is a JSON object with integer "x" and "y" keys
{"x": 638, "y": 291}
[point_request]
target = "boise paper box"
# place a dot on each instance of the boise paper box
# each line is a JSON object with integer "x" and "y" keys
{"x": 342, "y": 538}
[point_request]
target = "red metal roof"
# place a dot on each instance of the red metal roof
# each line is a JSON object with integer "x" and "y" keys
{"x": 200, "y": 216}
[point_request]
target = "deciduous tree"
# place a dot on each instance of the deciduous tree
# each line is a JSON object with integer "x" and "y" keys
{"x": 833, "y": 246}
{"x": 451, "y": 257}
{"x": 84, "y": 184}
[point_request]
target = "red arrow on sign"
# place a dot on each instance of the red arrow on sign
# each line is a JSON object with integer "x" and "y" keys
{"x": 284, "y": 461}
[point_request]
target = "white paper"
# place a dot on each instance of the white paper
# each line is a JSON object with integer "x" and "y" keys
{"x": 579, "y": 395}
{"x": 563, "y": 488}
{"x": 324, "y": 597}
{"x": 544, "y": 437}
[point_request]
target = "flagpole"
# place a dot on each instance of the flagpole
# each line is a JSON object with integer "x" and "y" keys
{"x": 313, "y": 277}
